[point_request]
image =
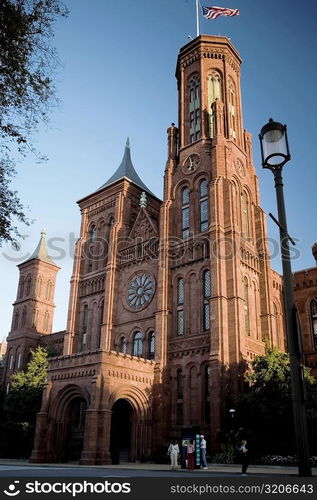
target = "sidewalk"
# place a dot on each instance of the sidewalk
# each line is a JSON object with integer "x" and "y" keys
{"x": 215, "y": 468}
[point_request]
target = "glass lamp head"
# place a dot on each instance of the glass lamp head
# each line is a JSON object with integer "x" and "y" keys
{"x": 274, "y": 145}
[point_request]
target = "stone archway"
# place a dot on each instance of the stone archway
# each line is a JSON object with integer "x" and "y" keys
{"x": 122, "y": 424}
{"x": 130, "y": 407}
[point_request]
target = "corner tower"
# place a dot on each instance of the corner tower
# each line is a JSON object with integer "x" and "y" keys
{"x": 33, "y": 309}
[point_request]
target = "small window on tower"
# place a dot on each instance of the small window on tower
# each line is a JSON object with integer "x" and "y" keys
{"x": 152, "y": 345}
{"x": 185, "y": 213}
{"x": 194, "y": 109}
{"x": 123, "y": 345}
{"x": 180, "y": 307}
{"x": 137, "y": 344}
{"x": 203, "y": 205}
{"x": 232, "y": 112}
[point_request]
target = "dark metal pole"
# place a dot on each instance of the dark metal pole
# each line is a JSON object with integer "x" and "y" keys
{"x": 296, "y": 367}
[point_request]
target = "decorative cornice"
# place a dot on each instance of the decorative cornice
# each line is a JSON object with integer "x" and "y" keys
{"x": 187, "y": 345}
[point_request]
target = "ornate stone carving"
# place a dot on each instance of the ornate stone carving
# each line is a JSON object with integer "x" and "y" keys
{"x": 143, "y": 228}
{"x": 186, "y": 344}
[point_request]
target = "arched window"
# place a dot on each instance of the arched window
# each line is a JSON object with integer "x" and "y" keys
{"x": 245, "y": 215}
{"x": 207, "y": 394}
{"x": 93, "y": 234}
{"x": 46, "y": 320}
{"x": 194, "y": 109}
{"x": 101, "y": 311}
{"x": 19, "y": 361}
{"x": 16, "y": 320}
{"x": 207, "y": 294}
{"x": 34, "y": 317}
{"x": 185, "y": 213}
{"x": 214, "y": 93}
{"x": 28, "y": 285}
{"x": 179, "y": 383}
{"x": 38, "y": 288}
{"x": 90, "y": 248}
{"x": 21, "y": 288}
{"x": 180, "y": 307}
{"x": 48, "y": 290}
{"x": 152, "y": 345}
{"x": 232, "y": 111}
{"x": 123, "y": 345}
{"x": 313, "y": 313}
{"x": 246, "y": 305}
{"x": 84, "y": 327}
{"x": 11, "y": 362}
{"x": 137, "y": 344}
{"x": 203, "y": 205}
{"x": 179, "y": 397}
{"x": 23, "y": 316}
{"x": 274, "y": 325}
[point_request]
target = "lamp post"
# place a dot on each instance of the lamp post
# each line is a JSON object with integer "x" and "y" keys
{"x": 232, "y": 413}
{"x": 275, "y": 153}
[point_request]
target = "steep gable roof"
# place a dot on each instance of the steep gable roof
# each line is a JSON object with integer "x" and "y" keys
{"x": 126, "y": 170}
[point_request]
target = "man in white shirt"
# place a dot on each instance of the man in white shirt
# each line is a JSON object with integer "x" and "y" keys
{"x": 203, "y": 445}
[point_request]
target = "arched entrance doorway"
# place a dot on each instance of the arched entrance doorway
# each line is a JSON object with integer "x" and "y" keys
{"x": 66, "y": 418}
{"x": 121, "y": 431}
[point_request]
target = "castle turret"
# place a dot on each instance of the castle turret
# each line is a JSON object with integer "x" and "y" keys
{"x": 33, "y": 308}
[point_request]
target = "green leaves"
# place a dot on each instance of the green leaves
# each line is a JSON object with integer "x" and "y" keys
{"x": 35, "y": 375}
{"x": 20, "y": 406}
{"x": 27, "y": 66}
{"x": 265, "y": 409}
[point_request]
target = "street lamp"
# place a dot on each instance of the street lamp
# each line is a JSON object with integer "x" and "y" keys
{"x": 232, "y": 413}
{"x": 275, "y": 153}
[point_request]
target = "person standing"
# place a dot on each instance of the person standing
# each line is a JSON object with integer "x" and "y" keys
{"x": 244, "y": 457}
{"x": 173, "y": 451}
{"x": 203, "y": 445}
{"x": 190, "y": 455}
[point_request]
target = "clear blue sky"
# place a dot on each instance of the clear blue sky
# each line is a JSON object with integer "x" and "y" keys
{"x": 117, "y": 80}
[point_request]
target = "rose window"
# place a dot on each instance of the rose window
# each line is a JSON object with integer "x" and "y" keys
{"x": 140, "y": 291}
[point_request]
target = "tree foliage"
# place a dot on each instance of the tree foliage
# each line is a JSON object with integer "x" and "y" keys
{"x": 265, "y": 410}
{"x": 35, "y": 375}
{"x": 27, "y": 92}
{"x": 21, "y": 405}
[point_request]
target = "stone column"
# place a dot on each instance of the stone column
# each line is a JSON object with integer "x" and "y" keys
{"x": 39, "y": 452}
{"x": 88, "y": 455}
{"x": 103, "y": 454}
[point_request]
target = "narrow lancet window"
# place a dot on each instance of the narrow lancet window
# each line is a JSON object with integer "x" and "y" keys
{"x": 194, "y": 110}
{"x": 203, "y": 205}
{"x": 185, "y": 213}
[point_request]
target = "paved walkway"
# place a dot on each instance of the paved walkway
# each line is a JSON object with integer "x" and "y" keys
{"x": 214, "y": 468}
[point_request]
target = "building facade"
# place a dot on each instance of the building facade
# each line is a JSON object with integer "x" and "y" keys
{"x": 170, "y": 299}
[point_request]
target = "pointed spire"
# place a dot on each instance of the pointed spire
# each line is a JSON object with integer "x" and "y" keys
{"x": 126, "y": 170}
{"x": 41, "y": 252}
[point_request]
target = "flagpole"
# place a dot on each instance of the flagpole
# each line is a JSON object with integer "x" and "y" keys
{"x": 197, "y": 18}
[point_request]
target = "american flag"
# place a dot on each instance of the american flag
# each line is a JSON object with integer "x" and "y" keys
{"x": 214, "y": 12}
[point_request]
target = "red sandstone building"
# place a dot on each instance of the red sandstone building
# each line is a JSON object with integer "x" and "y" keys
{"x": 169, "y": 299}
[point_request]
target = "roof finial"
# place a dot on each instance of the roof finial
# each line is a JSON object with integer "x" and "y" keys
{"x": 143, "y": 200}
{"x": 43, "y": 233}
{"x": 128, "y": 143}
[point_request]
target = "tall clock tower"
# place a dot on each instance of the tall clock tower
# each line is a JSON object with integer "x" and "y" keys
{"x": 217, "y": 267}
